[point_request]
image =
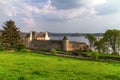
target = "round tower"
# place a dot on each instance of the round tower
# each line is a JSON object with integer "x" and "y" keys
{"x": 65, "y": 43}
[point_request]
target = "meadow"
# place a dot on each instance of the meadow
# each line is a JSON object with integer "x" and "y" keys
{"x": 36, "y": 66}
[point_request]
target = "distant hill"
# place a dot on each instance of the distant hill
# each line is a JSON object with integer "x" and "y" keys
{"x": 74, "y": 34}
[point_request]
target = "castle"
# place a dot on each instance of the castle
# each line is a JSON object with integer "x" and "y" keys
{"x": 41, "y": 41}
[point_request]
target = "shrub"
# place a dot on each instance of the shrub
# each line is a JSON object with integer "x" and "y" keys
{"x": 20, "y": 47}
{"x": 95, "y": 55}
{"x": 53, "y": 51}
{"x": 25, "y": 51}
{"x": 76, "y": 53}
{"x": 1, "y": 48}
{"x": 60, "y": 52}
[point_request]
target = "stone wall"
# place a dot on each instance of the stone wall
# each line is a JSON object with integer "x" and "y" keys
{"x": 77, "y": 46}
{"x": 46, "y": 44}
{"x": 27, "y": 42}
{"x": 57, "y": 44}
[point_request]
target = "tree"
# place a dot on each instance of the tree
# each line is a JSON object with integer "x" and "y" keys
{"x": 91, "y": 39}
{"x": 112, "y": 38}
{"x": 10, "y": 35}
{"x": 100, "y": 45}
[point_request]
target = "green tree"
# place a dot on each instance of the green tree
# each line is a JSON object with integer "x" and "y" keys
{"x": 112, "y": 38}
{"x": 91, "y": 39}
{"x": 11, "y": 35}
{"x": 100, "y": 46}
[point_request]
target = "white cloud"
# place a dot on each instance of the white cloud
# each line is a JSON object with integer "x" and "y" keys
{"x": 51, "y": 13}
{"x": 46, "y": 8}
{"x": 5, "y": 1}
{"x": 72, "y": 13}
{"x": 98, "y": 2}
{"x": 9, "y": 7}
{"x": 45, "y": 12}
{"x": 29, "y": 22}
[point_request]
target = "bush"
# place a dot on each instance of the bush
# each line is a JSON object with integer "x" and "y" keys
{"x": 1, "y": 48}
{"x": 20, "y": 47}
{"x": 60, "y": 52}
{"x": 53, "y": 51}
{"x": 95, "y": 55}
{"x": 76, "y": 53}
{"x": 25, "y": 51}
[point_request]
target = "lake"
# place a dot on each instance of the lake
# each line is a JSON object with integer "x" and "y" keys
{"x": 80, "y": 39}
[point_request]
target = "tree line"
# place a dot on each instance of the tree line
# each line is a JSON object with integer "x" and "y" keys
{"x": 109, "y": 42}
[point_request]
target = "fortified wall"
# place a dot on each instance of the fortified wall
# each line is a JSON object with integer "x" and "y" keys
{"x": 77, "y": 46}
{"x": 46, "y": 44}
{"x": 65, "y": 44}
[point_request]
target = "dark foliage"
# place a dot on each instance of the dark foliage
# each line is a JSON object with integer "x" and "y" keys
{"x": 10, "y": 36}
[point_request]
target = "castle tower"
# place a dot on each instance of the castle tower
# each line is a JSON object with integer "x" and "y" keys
{"x": 30, "y": 36}
{"x": 65, "y": 43}
{"x": 46, "y": 36}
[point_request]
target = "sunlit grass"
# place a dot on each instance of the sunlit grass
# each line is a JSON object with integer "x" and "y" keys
{"x": 33, "y": 66}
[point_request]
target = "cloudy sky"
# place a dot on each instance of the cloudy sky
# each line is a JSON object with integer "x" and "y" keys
{"x": 76, "y": 16}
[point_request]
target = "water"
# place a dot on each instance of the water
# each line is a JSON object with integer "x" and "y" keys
{"x": 80, "y": 39}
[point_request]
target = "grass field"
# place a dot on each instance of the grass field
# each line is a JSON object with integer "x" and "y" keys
{"x": 33, "y": 66}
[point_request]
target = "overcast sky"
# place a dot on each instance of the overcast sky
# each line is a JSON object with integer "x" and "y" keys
{"x": 76, "y": 16}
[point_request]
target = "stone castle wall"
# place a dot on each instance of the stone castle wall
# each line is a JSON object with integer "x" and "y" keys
{"x": 27, "y": 42}
{"x": 46, "y": 44}
{"x": 57, "y": 45}
{"x": 77, "y": 46}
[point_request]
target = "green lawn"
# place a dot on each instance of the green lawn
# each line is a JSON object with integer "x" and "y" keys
{"x": 33, "y": 66}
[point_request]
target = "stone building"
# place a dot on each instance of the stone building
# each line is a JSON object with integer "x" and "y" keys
{"x": 41, "y": 41}
{"x": 42, "y": 36}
